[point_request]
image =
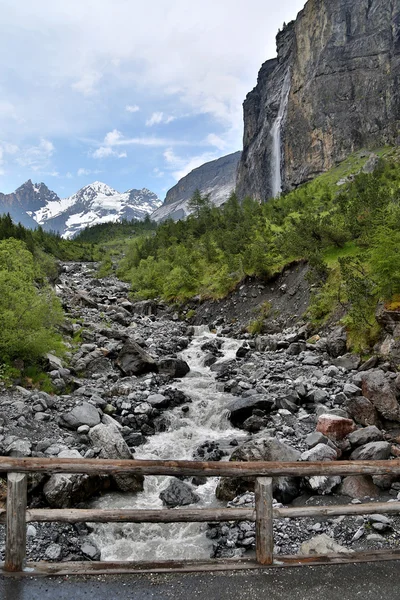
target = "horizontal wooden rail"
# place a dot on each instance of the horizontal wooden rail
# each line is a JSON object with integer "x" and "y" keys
{"x": 184, "y": 468}
{"x": 198, "y": 515}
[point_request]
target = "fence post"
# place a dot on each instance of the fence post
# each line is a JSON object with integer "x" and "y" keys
{"x": 264, "y": 521}
{"x": 16, "y": 522}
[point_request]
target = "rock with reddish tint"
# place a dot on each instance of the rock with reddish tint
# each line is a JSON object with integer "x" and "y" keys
{"x": 362, "y": 411}
{"x": 372, "y": 451}
{"x": 359, "y": 486}
{"x": 334, "y": 427}
{"x": 377, "y": 389}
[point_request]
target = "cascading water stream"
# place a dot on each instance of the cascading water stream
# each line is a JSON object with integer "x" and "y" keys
{"x": 206, "y": 421}
{"x": 276, "y": 133}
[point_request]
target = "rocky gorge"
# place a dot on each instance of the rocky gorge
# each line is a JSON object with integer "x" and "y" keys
{"x": 138, "y": 381}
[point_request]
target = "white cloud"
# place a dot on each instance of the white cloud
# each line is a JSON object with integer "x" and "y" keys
{"x": 36, "y": 157}
{"x": 113, "y": 137}
{"x": 82, "y": 171}
{"x": 69, "y": 175}
{"x": 157, "y": 172}
{"x": 217, "y": 141}
{"x": 103, "y": 152}
{"x": 182, "y": 165}
{"x": 158, "y": 117}
{"x": 87, "y": 84}
{"x": 132, "y": 108}
{"x": 122, "y": 155}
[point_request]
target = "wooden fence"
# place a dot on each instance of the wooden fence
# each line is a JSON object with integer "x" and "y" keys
{"x": 16, "y": 515}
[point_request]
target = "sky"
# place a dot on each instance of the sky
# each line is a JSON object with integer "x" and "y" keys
{"x": 133, "y": 93}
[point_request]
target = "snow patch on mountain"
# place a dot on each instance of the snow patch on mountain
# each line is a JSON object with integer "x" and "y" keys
{"x": 93, "y": 204}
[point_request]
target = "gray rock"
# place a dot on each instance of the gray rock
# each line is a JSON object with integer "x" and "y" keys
{"x": 173, "y": 367}
{"x": 349, "y": 362}
{"x": 242, "y": 408}
{"x": 90, "y": 551}
{"x": 372, "y": 451}
{"x": 262, "y": 449}
{"x": 322, "y": 545}
{"x": 364, "y": 436}
{"x": 133, "y": 360}
{"x": 376, "y": 387}
{"x": 320, "y": 452}
{"x": 64, "y": 490}
{"x": 84, "y": 414}
{"x": 112, "y": 445}
{"x": 53, "y": 552}
{"x": 178, "y": 493}
{"x": 19, "y": 448}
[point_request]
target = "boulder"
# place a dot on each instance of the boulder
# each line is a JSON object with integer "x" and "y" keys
{"x": 84, "y": 414}
{"x": 133, "y": 360}
{"x": 322, "y": 545}
{"x": 320, "y": 453}
{"x": 178, "y": 493}
{"x": 112, "y": 444}
{"x": 173, "y": 367}
{"x": 266, "y": 449}
{"x": 334, "y": 427}
{"x": 323, "y": 485}
{"x": 158, "y": 401}
{"x": 336, "y": 342}
{"x": 53, "y": 362}
{"x": 64, "y": 490}
{"x": 362, "y": 411}
{"x": 359, "y": 486}
{"x": 19, "y": 448}
{"x": 372, "y": 451}
{"x": 364, "y": 436}
{"x": 377, "y": 389}
{"x": 242, "y": 408}
{"x": 349, "y": 362}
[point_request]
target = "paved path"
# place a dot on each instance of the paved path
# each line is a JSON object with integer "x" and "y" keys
{"x": 377, "y": 581}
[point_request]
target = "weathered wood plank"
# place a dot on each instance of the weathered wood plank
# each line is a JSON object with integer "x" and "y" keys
{"x": 192, "y": 468}
{"x": 294, "y": 512}
{"x": 200, "y": 515}
{"x": 15, "y": 522}
{"x": 264, "y": 521}
{"x": 97, "y": 568}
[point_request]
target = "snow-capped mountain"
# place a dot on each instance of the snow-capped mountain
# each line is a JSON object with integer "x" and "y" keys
{"x": 93, "y": 204}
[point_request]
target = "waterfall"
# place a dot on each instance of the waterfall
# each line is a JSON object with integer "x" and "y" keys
{"x": 276, "y": 131}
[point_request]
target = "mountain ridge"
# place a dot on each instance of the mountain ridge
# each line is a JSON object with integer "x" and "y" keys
{"x": 216, "y": 178}
{"x": 35, "y": 204}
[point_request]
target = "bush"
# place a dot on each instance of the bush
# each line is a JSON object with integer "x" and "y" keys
{"x": 28, "y": 313}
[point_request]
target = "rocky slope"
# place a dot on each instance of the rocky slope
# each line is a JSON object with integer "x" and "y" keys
{"x": 140, "y": 381}
{"x": 331, "y": 90}
{"x": 216, "y": 178}
{"x": 34, "y": 204}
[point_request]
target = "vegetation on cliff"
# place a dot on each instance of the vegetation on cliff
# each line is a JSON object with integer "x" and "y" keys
{"x": 347, "y": 226}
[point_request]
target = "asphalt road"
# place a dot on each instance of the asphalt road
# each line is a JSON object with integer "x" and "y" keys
{"x": 365, "y": 581}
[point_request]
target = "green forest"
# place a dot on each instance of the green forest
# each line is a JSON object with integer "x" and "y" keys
{"x": 349, "y": 234}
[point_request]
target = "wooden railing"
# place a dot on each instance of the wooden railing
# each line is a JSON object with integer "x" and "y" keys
{"x": 16, "y": 515}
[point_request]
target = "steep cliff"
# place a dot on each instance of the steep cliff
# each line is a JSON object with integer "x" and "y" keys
{"x": 216, "y": 178}
{"x": 333, "y": 89}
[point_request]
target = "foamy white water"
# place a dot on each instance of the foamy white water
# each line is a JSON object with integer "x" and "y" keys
{"x": 206, "y": 421}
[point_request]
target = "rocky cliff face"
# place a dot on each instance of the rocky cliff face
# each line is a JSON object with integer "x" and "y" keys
{"x": 216, "y": 178}
{"x": 341, "y": 60}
